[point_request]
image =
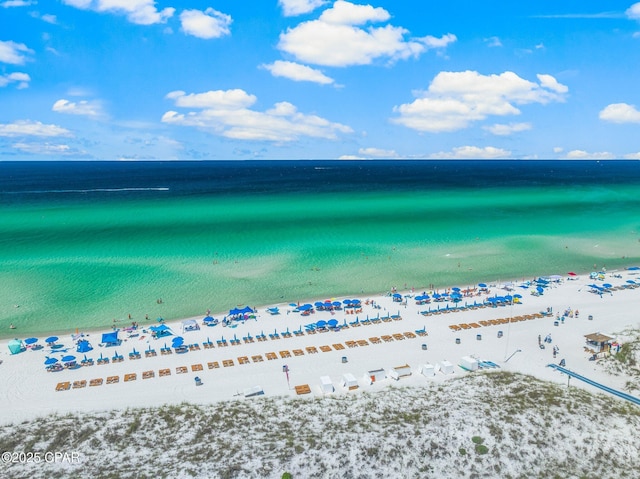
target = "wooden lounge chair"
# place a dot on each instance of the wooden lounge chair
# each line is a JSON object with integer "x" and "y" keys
{"x": 375, "y": 340}
{"x": 409, "y": 335}
{"x": 79, "y": 384}
{"x": 213, "y": 365}
{"x": 150, "y": 353}
{"x": 398, "y": 337}
{"x": 257, "y": 358}
{"x": 148, "y": 374}
{"x": 194, "y": 347}
{"x": 130, "y": 377}
{"x": 351, "y": 344}
{"x": 338, "y": 346}
{"x": 362, "y": 342}
{"x": 196, "y": 367}
{"x": 311, "y": 349}
{"x": 303, "y": 389}
{"x": 165, "y": 372}
{"x": 227, "y": 363}
{"x": 96, "y": 382}
{"x": 298, "y": 352}
{"x": 243, "y": 360}
{"x": 325, "y": 349}
{"x": 64, "y": 386}
{"x": 181, "y": 370}
{"x": 285, "y": 354}
{"x": 386, "y": 338}
{"x": 113, "y": 379}
{"x": 271, "y": 356}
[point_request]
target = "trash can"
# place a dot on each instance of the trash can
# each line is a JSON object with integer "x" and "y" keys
{"x": 590, "y": 317}
{"x": 556, "y": 323}
{"x": 478, "y": 337}
{"x": 499, "y": 334}
{"x": 344, "y": 359}
{"x": 457, "y": 340}
{"x": 424, "y": 347}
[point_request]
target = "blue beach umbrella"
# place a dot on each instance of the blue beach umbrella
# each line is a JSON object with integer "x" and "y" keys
{"x": 482, "y": 285}
{"x": 50, "y": 361}
{"x": 332, "y": 323}
{"x": 177, "y": 342}
{"x": 51, "y": 339}
{"x": 30, "y": 340}
{"x": 321, "y": 324}
{"x": 68, "y": 358}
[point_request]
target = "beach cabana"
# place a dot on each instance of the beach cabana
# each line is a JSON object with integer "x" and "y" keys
{"x": 16, "y": 346}
{"x": 326, "y": 385}
{"x": 349, "y": 381}
{"x": 445, "y": 367}
{"x": 428, "y": 370}
{"x": 400, "y": 372}
{"x": 600, "y": 341}
{"x": 84, "y": 346}
{"x": 190, "y": 325}
{"x": 375, "y": 375}
{"x": 468, "y": 363}
{"x": 110, "y": 339}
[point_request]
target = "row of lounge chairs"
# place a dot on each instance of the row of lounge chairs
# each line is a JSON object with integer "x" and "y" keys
{"x": 496, "y": 322}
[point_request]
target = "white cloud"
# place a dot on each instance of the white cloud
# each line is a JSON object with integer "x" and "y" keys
{"x": 13, "y": 53}
{"x": 141, "y": 12}
{"x": 632, "y": 156}
{"x": 558, "y": 149}
{"x": 208, "y": 24}
{"x": 620, "y": 113}
{"x": 291, "y": 8}
{"x": 585, "y": 155}
{"x": 45, "y": 17}
{"x": 337, "y": 38}
{"x": 17, "y": 3}
{"x": 297, "y": 72}
{"x": 454, "y": 100}
{"x": 92, "y": 109}
{"x": 633, "y": 12}
{"x": 378, "y": 153}
{"x": 226, "y": 113}
{"x": 493, "y": 42}
{"x": 32, "y": 128}
{"x": 505, "y": 130}
{"x": 473, "y": 152}
{"x": 21, "y": 78}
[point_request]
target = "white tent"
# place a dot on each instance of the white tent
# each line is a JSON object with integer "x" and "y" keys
{"x": 375, "y": 375}
{"x": 445, "y": 367}
{"x": 400, "y": 372}
{"x": 428, "y": 370}
{"x": 349, "y": 381}
{"x": 468, "y": 363}
{"x": 254, "y": 391}
{"x": 190, "y": 325}
{"x": 326, "y": 385}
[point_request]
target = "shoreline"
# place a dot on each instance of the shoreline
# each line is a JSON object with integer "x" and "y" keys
{"x": 310, "y": 356}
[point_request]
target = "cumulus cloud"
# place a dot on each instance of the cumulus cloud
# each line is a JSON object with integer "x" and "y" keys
{"x": 633, "y": 12}
{"x": 292, "y": 8}
{"x": 620, "y": 113}
{"x": 378, "y": 153}
{"x": 14, "y": 53}
{"x": 493, "y": 42}
{"x": 342, "y": 37}
{"x": 505, "y": 130}
{"x": 22, "y": 80}
{"x": 208, "y": 24}
{"x": 473, "y": 153}
{"x": 454, "y": 100}
{"x": 91, "y": 109}
{"x": 32, "y": 128}
{"x": 227, "y": 114}
{"x": 17, "y": 3}
{"x": 141, "y": 12}
{"x": 297, "y": 72}
{"x": 585, "y": 155}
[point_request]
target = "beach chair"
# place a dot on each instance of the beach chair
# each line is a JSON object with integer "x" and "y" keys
{"x": 243, "y": 360}
{"x": 257, "y": 358}
{"x": 181, "y": 370}
{"x": 113, "y": 379}
{"x": 63, "y": 386}
{"x": 338, "y": 346}
{"x": 285, "y": 354}
{"x": 148, "y": 374}
{"x": 213, "y": 365}
{"x": 150, "y": 353}
{"x": 207, "y": 345}
{"x": 375, "y": 340}
{"x": 325, "y": 349}
{"x": 271, "y": 356}
{"x": 409, "y": 335}
{"x": 302, "y": 389}
{"x": 194, "y": 347}
{"x": 96, "y": 382}
{"x": 398, "y": 336}
{"x": 386, "y": 338}
{"x": 311, "y": 350}
{"x": 130, "y": 377}
{"x": 164, "y": 372}
{"x": 362, "y": 342}
{"x": 196, "y": 367}
{"x": 298, "y": 352}
{"x": 79, "y": 384}
{"x": 227, "y": 363}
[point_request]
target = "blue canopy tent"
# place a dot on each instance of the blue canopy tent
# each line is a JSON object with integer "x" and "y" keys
{"x": 110, "y": 339}
{"x": 15, "y": 346}
{"x": 161, "y": 330}
{"x": 84, "y": 346}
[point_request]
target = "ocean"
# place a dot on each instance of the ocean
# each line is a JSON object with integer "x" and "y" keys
{"x": 84, "y": 244}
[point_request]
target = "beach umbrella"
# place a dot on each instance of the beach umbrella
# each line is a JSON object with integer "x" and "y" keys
{"x": 332, "y": 323}
{"x": 630, "y": 281}
{"x": 207, "y": 319}
{"x": 455, "y": 288}
{"x": 51, "y": 339}
{"x": 336, "y": 304}
{"x": 347, "y": 301}
{"x": 30, "y": 340}
{"x": 482, "y": 285}
{"x": 321, "y": 324}
{"x": 571, "y": 273}
{"x": 607, "y": 285}
{"x": 50, "y": 361}
{"x": 177, "y": 341}
{"x": 68, "y": 358}
{"x": 633, "y": 268}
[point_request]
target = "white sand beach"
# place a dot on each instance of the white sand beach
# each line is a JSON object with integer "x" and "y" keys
{"x": 232, "y": 371}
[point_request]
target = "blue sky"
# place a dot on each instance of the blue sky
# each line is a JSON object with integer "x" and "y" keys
{"x": 298, "y": 79}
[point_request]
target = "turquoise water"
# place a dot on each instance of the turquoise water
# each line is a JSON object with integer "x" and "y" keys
{"x": 78, "y": 262}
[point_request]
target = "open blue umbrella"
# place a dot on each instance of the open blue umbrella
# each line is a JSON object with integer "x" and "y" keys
{"x": 50, "y": 361}
{"x": 51, "y": 339}
{"x": 68, "y": 358}
{"x": 332, "y": 323}
{"x": 30, "y": 340}
{"x": 482, "y": 285}
{"x": 177, "y": 342}
{"x": 321, "y": 324}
